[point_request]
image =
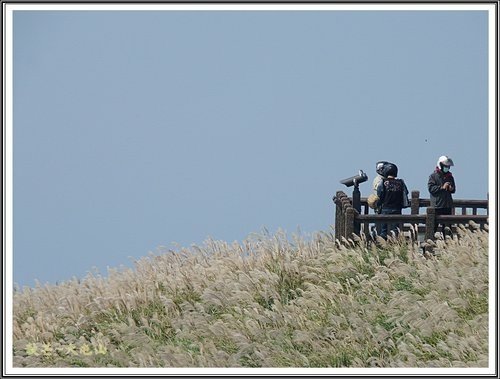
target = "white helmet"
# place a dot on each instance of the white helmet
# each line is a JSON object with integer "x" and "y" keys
{"x": 444, "y": 161}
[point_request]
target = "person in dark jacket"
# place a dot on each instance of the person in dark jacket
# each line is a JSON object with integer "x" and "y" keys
{"x": 381, "y": 169}
{"x": 391, "y": 193}
{"x": 441, "y": 186}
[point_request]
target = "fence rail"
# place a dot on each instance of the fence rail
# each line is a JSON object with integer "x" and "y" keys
{"x": 348, "y": 220}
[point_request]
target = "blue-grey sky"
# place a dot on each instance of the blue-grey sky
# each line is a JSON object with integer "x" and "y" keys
{"x": 135, "y": 130}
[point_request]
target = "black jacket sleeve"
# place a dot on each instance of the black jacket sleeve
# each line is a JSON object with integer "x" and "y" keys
{"x": 434, "y": 184}
{"x": 453, "y": 184}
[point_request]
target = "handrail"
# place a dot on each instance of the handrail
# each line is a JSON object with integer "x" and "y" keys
{"x": 421, "y": 218}
{"x": 457, "y": 203}
{"x": 348, "y": 220}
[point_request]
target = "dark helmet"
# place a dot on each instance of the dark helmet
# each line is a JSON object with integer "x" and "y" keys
{"x": 385, "y": 168}
{"x": 390, "y": 170}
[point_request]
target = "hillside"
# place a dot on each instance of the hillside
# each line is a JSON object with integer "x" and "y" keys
{"x": 271, "y": 301}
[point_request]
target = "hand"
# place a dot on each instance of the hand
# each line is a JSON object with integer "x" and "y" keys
{"x": 447, "y": 187}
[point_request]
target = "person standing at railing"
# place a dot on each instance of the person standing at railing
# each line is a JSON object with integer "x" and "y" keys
{"x": 393, "y": 197}
{"x": 380, "y": 168}
{"x": 441, "y": 186}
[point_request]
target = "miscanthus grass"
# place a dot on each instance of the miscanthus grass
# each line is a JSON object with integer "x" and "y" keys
{"x": 270, "y": 301}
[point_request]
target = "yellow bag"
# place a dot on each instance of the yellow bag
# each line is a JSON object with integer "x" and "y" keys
{"x": 372, "y": 201}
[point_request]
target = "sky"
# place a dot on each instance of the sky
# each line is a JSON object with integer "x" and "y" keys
{"x": 136, "y": 132}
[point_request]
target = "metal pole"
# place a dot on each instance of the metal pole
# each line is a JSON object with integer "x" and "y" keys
{"x": 356, "y": 204}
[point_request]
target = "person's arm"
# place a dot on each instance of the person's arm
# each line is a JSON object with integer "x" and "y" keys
{"x": 433, "y": 186}
{"x": 405, "y": 188}
{"x": 453, "y": 187}
{"x": 406, "y": 200}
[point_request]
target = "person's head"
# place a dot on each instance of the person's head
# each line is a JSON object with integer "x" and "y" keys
{"x": 391, "y": 170}
{"x": 444, "y": 163}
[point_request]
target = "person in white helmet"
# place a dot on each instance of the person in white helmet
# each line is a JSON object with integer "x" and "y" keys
{"x": 441, "y": 186}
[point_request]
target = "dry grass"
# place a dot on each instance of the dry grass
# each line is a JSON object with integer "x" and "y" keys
{"x": 268, "y": 302}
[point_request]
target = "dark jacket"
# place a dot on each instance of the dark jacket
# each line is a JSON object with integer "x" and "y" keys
{"x": 391, "y": 193}
{"x": 441, "y": 198}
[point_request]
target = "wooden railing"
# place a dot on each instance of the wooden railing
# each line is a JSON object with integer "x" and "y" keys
{"x": 348, "y": 220}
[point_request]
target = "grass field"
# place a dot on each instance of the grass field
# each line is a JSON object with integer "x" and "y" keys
{"x": 269, "y": 301}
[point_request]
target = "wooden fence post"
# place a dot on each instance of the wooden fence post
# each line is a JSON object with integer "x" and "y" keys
{"x": 430, "y": 223}
{"x": 415, "y": 202}
{"x": 346, "y": 204}
{"x": 338, "y": 214}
